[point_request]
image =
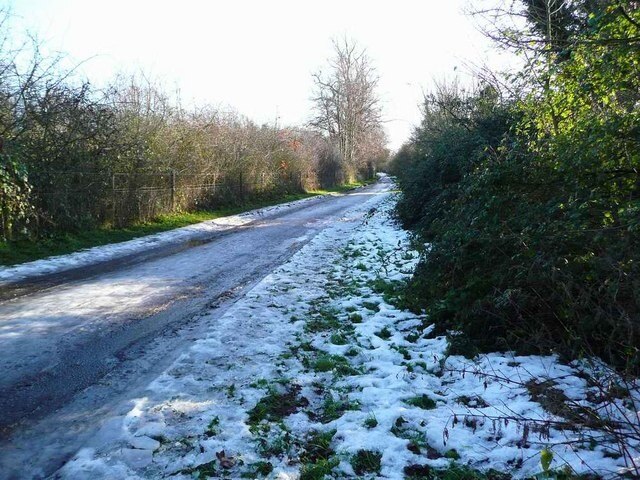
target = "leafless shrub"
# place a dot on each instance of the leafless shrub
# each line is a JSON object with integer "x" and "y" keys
{"x": 607, "y": 417}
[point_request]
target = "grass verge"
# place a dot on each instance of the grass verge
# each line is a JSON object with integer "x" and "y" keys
{"x": 25, "y": 250}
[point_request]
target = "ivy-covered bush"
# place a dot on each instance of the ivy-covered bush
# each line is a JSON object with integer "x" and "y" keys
{"x": 15, "y": 206}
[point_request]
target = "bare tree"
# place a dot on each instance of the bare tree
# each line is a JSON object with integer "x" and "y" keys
{"x": 74, "y": 157}
{"x": 346, "y": 105}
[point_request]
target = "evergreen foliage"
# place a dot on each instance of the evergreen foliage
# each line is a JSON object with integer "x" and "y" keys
{"x": 531, "y": 203}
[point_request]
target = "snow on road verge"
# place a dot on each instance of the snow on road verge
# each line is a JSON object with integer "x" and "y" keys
{"x": 316, "y": 373}
{"x": 104, "y": 253}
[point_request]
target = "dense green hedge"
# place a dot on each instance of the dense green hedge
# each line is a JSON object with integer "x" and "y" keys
{"x": 531, "y": 205}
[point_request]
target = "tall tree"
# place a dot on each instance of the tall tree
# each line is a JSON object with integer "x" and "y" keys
{"x": 346, "y": 104}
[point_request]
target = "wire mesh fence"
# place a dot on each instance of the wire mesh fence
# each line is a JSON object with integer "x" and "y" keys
{"x": 122, "y": 198}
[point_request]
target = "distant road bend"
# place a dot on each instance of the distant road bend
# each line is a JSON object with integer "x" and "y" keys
{"x": 73, "y": 344}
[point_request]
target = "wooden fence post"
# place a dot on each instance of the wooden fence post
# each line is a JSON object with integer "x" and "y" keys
{"x": 173, "y": 191}
{"x": 113, "y": 192}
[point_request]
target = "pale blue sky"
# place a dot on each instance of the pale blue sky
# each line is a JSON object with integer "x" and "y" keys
{"x": 258, "y": 56}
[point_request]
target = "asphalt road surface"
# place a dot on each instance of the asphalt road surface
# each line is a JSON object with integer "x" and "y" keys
{"x": 74, "y": 344}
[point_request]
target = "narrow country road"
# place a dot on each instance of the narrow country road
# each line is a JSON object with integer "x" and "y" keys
{"x": 89, "y": 340}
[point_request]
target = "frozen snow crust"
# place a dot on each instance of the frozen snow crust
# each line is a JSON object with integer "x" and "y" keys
{"x": 316, "y": 372}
